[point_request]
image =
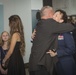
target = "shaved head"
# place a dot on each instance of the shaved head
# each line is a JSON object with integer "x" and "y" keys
{"x": 47, "y": 11}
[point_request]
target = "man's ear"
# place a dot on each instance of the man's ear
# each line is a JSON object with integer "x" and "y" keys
{"x": 61, "y": 21}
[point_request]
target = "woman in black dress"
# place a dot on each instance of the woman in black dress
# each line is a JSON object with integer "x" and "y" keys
{"x": 17, "y": 47}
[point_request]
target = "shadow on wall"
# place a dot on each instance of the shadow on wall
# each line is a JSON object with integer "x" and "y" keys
{"x": 35, "y": 18}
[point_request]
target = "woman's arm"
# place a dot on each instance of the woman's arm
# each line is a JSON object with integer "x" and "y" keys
{"x": 1, "y": 69}
{"x": 68, "y": 49}
{"x": 12, "y": 45}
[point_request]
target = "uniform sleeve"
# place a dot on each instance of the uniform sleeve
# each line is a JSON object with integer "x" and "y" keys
{"x": 69, "y": 48}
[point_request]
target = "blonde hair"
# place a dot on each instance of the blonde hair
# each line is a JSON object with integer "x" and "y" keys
{"x": 44, "y": 9}
{"x": 1, "y": 40}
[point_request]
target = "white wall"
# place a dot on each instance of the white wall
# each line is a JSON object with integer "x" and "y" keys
{"x": 23, "y": 9}
{"x": 36, "y": 4}
{"x": 68, "y": 5}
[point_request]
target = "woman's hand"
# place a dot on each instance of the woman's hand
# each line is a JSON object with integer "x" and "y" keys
{"x": 33, "y": 34}
{"x": 52, "y": 53}
{"x": 3, "y": 63}
{"x": 4, "y": 71}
